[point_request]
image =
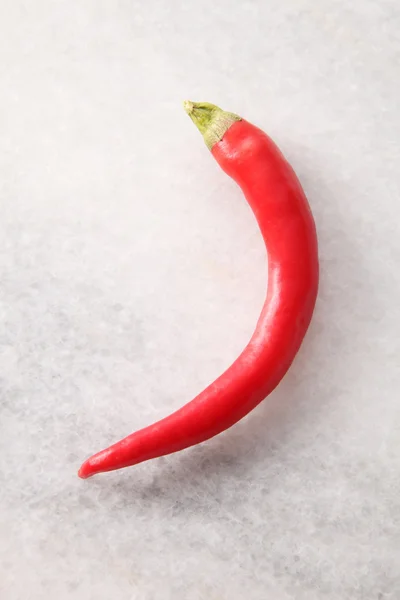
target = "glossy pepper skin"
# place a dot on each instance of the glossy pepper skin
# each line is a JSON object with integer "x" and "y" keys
{"x": 279, "y": 204}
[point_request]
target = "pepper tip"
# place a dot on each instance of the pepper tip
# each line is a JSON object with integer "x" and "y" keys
{"x": 83, "y": 473}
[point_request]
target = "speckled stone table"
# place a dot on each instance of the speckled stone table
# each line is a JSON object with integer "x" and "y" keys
{"x": 132, "y": 273}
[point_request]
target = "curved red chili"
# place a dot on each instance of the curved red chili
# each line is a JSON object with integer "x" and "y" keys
{"x": 275, "y": 195}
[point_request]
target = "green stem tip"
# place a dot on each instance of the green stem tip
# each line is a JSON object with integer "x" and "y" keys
{"x": 211, "y": 121}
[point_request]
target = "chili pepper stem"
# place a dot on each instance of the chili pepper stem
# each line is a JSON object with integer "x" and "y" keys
{"x": 210, "y": 120}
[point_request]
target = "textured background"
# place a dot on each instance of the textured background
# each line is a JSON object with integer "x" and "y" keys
{"x": 132, "y": 272}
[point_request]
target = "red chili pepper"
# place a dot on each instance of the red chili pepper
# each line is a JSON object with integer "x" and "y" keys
{"x": 275, "y": 195}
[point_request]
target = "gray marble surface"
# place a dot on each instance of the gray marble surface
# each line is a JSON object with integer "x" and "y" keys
{"x": 132, "y": 273}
